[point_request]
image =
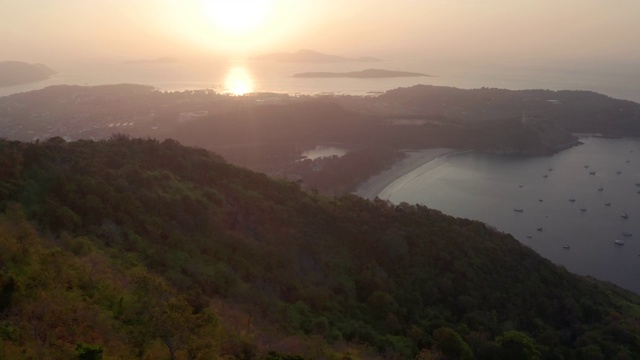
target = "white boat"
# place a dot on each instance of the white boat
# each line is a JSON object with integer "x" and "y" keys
{"x": 624, "y": 215}
{"x": 618, "y": 241}
{"x": 565, "y": 246}
{"x": 572, "y": 199}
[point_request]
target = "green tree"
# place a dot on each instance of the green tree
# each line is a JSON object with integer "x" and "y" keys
{"x": 517, "y": 345}
{"x": 89, "y": 352}
{"x": 450, "y": 345}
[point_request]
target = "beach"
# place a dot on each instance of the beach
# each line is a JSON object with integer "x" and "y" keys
{"x": 377, "y": 184}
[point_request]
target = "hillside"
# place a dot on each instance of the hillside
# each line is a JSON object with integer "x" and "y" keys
{"x": 572, "y": 110}
{"x": 17, "y": 72}
{"x": 269, "y": 132}
{"x": 131, "y": 248}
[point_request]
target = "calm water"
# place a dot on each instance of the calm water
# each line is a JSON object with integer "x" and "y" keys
{"x": 489, "y": 188}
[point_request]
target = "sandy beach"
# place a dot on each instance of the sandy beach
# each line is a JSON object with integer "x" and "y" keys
{"x": 373, "y": 187}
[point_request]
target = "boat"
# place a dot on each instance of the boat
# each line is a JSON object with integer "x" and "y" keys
{"x": 618, "y": 172}
{"x": 529, "y": 236}
{"x": 586, "y": 166}
{"x": 618, "y": 241}
{"x": 637, "y": 184}
{"x": 584, "y": 209}
{"x": 592, "y": 172}
{"x": 545, "y": 176}
{"x": 627, "y": 234}
{"x": 539, "y": 229}
{"x": 549, "y": 169}
{"x": 600, "y": 188}
{"x": 624, "y": 215}
{"x": 607, "y": 204}
{"x": 540, "y": 200}
{"x": 565, "y": 246}
{"x": 627, "y": 161}
{"x": 572, "y": 199}
{"x": 518, "y": 210}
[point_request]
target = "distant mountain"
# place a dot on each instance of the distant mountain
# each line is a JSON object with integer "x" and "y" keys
{"x": 18, "y": 72}
{"x": 368, "y": 74}
{"x": 160, "y": 60}
{"x": 309, "y": 56}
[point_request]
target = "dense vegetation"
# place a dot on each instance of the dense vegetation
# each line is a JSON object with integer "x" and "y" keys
{"x": 129, "y": 248}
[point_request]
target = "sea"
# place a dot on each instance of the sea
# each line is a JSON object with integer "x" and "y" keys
{"x": 471, "y": 185}
{"x": 570, "y": 207}
{"x": 246, "y": 76}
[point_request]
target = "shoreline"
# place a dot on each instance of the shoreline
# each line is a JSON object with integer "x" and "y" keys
{"x": 377, "y": 184}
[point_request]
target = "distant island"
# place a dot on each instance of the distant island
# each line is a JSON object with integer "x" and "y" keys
{"x": 364, "y": 74}
{"x": 160, "y": 60}
{"x": 18, "y": 72}
{"x": 310, "y": 56}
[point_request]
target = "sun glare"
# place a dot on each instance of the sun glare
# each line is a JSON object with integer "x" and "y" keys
{"x": 237, "y": 16}
{"x": 238, "y": 81}
{"x": 235, "y": 27}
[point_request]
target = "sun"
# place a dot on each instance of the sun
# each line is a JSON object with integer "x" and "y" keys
{"x": 234, "y": 27}
{"x": 237, "y": 17}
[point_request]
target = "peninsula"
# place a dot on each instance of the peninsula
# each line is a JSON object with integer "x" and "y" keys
{"x": 18, "y": 72}
{"x": 364, "y": 74}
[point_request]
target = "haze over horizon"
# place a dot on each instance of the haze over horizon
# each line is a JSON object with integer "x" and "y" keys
{"x": 516, "y": 33}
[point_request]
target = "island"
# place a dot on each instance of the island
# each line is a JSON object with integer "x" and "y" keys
{"x": 18, "y": 72}
{"x": 364, "y": 74}
{"x": 310, "y": 56}
{"x": 160, "y": 60}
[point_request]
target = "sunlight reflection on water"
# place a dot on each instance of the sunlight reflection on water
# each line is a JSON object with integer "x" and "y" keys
{"x": 238, "y": 81}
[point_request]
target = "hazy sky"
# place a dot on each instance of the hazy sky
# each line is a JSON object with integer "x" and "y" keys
{"x": 484, "y": 30}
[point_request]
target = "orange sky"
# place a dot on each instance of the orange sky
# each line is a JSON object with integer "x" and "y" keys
{"x": 478, "y": 30}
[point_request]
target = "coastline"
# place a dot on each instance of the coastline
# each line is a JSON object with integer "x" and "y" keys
{"x": 376, "y": 184}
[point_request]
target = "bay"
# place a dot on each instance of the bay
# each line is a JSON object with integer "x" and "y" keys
{"x": 576, "y": 234}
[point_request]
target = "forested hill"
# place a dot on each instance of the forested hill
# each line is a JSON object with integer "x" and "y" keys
{"x": 573, "y": 110}
{"x": 131, "y": 248}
